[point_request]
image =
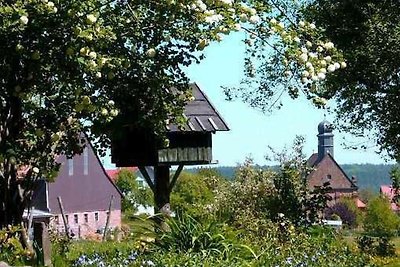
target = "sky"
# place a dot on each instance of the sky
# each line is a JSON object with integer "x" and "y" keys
{"x": 251, "y": 131}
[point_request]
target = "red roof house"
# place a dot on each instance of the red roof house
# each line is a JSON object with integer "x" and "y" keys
{"x": 389, "y": 192}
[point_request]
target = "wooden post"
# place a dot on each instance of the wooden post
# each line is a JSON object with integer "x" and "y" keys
{"x": 108, "y": 217}
{"x": 63, "y": 216}
{"x": 162, "y": 190}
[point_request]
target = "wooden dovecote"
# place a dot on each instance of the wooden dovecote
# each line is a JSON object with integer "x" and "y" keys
{"x": 190, "y": 144}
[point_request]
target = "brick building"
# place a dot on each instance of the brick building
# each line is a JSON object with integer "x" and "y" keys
{"x": 326, "y": 169}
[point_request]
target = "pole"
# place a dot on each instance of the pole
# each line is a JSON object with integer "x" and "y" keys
{"x": 63, "y": 216}
{"x": 108, "y": 217}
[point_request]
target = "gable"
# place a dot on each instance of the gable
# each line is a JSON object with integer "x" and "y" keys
{"x": 83, "y": 185}
{"x": 328, "y": 170}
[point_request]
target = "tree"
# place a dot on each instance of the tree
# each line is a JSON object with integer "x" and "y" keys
{"x": 134, "y": 194}
{"x": 367, "y": 92}
{"x": 380, "y": 220}
{"x": 68, "y": 67}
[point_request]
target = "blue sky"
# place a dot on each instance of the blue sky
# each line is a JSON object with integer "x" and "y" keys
{"x": 252, "y": 131}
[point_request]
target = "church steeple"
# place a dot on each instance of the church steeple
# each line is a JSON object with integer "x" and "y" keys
{"x": 325, "y": 139}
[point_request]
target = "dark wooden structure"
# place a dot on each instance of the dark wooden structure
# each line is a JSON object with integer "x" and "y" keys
{"x": 189, "y": 144}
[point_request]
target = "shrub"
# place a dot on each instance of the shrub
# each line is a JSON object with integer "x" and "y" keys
{"x": 340, "y": 209}
{"x": 380, "y": 220}
{"x": 11, "y": 249}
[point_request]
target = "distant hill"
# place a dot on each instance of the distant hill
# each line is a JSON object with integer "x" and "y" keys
{"x": 369, "y": 176}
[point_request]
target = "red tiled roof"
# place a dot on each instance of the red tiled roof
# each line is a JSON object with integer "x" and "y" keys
{"x": 388, "y": 191}
{"x": 114, "y": 172}
{"x": 360, "y": 204}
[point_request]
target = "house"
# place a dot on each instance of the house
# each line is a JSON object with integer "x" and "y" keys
{"x": 389, "y": 192}
{"x": 326, "y": 169}
{"x": 85, "y": 191}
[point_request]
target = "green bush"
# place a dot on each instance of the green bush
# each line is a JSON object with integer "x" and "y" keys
{"x": 11, "y": 249}
{"x": 380, "y": 220}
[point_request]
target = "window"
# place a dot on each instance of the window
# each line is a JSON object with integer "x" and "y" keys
{"x": 86, "y": 217}
{"x": 66, "y": 218}
{"x": 57, "y": 219}
{"x": 329, "y": 177}
{"x": 76, "y": 220}
{"x": 70, "y": 167}
{"x": 85, "y": 161}
{"x": 96, "y": 216}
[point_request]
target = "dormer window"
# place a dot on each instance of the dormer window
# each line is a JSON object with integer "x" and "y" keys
{"x": 85, "y": 161}
{"x": 70, "y": 167}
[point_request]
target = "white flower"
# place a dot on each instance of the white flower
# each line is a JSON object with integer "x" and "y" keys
{"x": 104, "y": 112}
{"x": 201, "y": 5}
{"x": 98, "y": 75}
{"x": 314, "y": 78}
{"x": 304, "y": 80}
{"x": 92, "y": 55}
{"x": 328, "y": 59}
{"x": 313, "y": 55}
{"x": 343, "y": 65}
{"x": 35, "y": 170}
{"x": 329, "y": 45}
{"x": 322, "y": 70}
{"x": 281, "y": 25}
{"x": 55, "y": 9}
{"x": 305, "y": 73}
{"x": 151, "y": 52}
{"x": 302, "y": 24}
{"x": 323, "y": 63}
{"x": 273, "y": 21}
{"x": 320, "y": 49}
{"x": 321, "y": 76}
{"x": 304, "y": 50}
{"x": 337, "y": 65}
{"x": 214, "y": 18}
{"x": 288, "y": 73}
{"x": 114, "y": 112}
{"x": 303, "y": 57}
{"x": 228, "y": 2}
{"x": 91, "y": 19}
{"x": 238, "y": 27}
{"x": 308, "y": 44}
{"x": 50, "y": 4}
{"x": 296, "y": 39}
{"x": 243, "y": 17}
{"x": 24, "y": 20}
{"x": 312, "y": 26}
{"x": 254, "y": 19}
{"x": 309, "y": 65}
{"x": 331, "y": 68}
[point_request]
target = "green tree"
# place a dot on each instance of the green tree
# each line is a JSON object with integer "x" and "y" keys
{"x": 367, "y": 32}
{"x": 380, "y": 220}
{"x": 191, "y": 193}
{"x": 68, "y": 67}
{"x": 134, "y": 194}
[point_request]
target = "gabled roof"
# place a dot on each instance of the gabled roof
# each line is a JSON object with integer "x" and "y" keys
{"x": 201, "y": 115}
{"x": 89, "y": 144}
{"x": 313, "y": 160}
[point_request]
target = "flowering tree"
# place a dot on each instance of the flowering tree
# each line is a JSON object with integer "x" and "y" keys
{"x": 367, "y": 93}
{"x": 69, "y": 67}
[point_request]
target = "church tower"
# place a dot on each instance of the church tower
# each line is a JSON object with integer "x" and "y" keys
{"x": 325, "y": 139}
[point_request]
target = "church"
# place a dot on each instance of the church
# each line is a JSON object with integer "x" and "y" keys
{"x": 326, "y": 169}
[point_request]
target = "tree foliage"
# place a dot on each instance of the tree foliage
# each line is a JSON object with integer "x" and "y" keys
{"x": 69, "y": 67}
{"x": 134, "y": 194}
{"x": 380, "y": 220}
{"x": 367, "y": 32}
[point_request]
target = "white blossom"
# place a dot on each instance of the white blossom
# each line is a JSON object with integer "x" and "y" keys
{"x": 254, "y": 19}
{"x": 331, "y": 68}
{"x": 343, "y": 65}
{"x": 24, "y": 19}
{"x": 91, "y": 19}
{"x": 151, "y": 52}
